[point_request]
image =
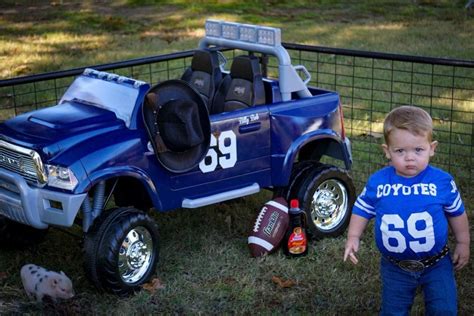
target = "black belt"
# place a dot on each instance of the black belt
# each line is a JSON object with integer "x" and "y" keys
{"x": 418, "y": 265}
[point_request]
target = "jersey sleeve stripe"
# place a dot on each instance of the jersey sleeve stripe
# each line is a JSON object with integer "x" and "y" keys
{"x": 455, "y": 206}
{"x": 361, "y": 207}
{"x": 456, "y": 201}
{"x": 362, "y": 202}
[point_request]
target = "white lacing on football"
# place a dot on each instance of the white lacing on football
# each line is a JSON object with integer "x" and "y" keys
{"x": 259, "y": 219}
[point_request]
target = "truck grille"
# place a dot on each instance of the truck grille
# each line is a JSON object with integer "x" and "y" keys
{"x": 22, "y": 161}
{"x": 13, "y": 212}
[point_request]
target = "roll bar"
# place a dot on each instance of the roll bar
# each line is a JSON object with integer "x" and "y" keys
{"x": 261, "y": 39}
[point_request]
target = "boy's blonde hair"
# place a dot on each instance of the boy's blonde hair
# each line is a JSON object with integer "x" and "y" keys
{"x": 410, "y": 118}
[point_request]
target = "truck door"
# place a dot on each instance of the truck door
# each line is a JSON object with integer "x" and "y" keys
{"x": 239, "y": 155}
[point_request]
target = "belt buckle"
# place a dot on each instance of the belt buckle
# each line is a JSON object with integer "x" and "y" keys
{"x": 411, "y": 265}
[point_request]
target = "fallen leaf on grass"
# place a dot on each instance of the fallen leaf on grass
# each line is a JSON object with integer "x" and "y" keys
{"x": 152, "y": 286}
{"x": 283, "y": 283}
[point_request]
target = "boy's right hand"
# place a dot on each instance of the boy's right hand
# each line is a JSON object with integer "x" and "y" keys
{"x": 352, "y": 246}
{"x": 356, "y": 228}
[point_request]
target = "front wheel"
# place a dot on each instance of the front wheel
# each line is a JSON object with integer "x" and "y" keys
{"x": 124, "y": 253}
{"x": 327, "y": 194}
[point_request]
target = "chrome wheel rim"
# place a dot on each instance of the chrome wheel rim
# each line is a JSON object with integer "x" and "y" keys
{"x": 135, "y": 254}
{"x": 329, "y": 205}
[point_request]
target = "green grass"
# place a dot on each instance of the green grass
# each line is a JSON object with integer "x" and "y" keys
{"x": 49, "y": 37}
{"x": 205, "y": 265}
{"x": 206, "y": 268}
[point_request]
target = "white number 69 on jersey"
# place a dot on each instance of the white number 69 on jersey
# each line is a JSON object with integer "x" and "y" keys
{"x": 426, "y": 235}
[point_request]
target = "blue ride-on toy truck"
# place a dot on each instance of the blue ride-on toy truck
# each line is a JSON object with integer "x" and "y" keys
{"x": 210, "y": 136}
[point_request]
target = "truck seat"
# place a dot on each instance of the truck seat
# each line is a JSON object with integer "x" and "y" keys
{"x": 241, "y": 88}
{"x": 204, "y": 74}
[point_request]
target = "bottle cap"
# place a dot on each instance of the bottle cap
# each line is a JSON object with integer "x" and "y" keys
{"x": 294, "y": 203}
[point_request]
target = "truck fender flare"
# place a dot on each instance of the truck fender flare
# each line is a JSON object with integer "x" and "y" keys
{"x": 305, "y": 140}
{"x": 117, "y": 172}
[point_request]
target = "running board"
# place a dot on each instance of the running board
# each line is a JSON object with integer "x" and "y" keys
{"x": 224, "y": 196}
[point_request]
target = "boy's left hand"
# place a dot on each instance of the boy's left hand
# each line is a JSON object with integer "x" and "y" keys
{"x": 461, "y": 255}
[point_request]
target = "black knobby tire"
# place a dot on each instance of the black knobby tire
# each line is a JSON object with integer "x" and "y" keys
{"x": 93, "y": 239}
{"x": 104, "y": 246}
{"x": 327, "y": 195}
{"x": 17, "y": 235}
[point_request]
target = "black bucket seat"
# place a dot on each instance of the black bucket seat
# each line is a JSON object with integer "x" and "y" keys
{"x": 241, "y": 88}
{"x": 204, "y": 74}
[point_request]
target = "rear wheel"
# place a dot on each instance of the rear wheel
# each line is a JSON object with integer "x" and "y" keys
{"x": 17, "y": 235}
{"x": 122, "y": 251}
{"x": 326, "y": 194}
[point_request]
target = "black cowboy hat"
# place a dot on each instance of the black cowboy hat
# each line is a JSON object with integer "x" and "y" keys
{"x": 178, "y": 124}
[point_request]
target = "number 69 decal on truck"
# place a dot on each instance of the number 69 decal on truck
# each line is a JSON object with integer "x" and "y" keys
{"x": 222, "y": 152}
{"x": 211, "y": 135}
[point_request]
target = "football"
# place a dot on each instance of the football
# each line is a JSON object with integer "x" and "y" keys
{"x": 269, "y": 228}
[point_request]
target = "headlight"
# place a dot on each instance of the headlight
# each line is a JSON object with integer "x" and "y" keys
{"x": 61, "y": 177}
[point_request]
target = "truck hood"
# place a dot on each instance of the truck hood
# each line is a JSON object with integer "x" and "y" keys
{"x": 58, "y": 127}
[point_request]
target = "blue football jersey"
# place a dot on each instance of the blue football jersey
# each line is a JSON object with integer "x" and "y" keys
{"x": 410, "y": 213}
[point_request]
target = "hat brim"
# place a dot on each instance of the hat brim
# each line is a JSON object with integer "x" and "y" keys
{"x": 178, "y": 162}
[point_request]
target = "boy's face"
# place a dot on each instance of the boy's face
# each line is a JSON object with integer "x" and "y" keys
{"x": 410, "y": 154}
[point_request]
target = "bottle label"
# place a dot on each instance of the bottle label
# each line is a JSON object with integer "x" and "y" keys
{"x": 297, "y": 242}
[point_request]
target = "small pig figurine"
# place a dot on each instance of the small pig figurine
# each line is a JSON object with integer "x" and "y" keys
{"x": 40, "y": 282}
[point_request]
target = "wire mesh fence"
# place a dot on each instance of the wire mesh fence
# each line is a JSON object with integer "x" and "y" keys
{"x": 370, "y": 85}
{"x": 20, "y": 95}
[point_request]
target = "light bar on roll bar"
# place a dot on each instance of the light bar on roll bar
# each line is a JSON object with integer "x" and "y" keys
{"x": 262, "y": 35}
{"x": 262, "y": 39}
